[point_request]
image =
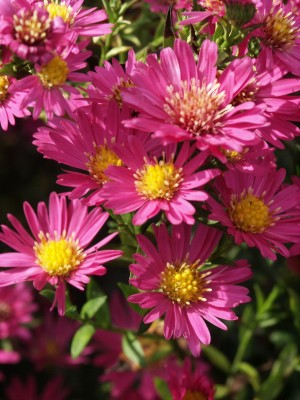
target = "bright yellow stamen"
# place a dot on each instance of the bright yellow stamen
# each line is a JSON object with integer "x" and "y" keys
{"x": 196, "y": 108}
{"x": 194, "y": 395}
{"x": 249, "y": 213}
{"x": 279, "y": 30}
{"x": 4, "y": 85}
{"x": 216, "y": 6}
{"x": 100, "y": 160}
{"x": 31, "y": 28}
{"x": 183, "y": 283}
{"x": 54, "y": 73}
{"x": 232, "y": 155}
{"x": 59, "y": 256}
{"x": 5, "y": 311}
{"x": 59, "y": 10}
{"x": 158, "y": 181}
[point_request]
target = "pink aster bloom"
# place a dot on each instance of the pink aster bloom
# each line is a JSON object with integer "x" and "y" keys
{"x": 109, "y": 81}
{"x": 16, "y": 309}
{"x": 87, "y": 144}
{"x": 150, "y": 185}
{"x": 269, "y": 89}
{"x": 27, "y": 30}
{"x": 280, "y": 33}
{"x": 46, "y": 89}
{"x": 57, "y": 250}
{"x": 256, "y": 209}
{"x": 180, "y": 100}
{"x": 9, "y": 357}
{"x": 163, "y": 5}
{"x": 186, "y": 382}
{"x": 54, "y": 389}
{"x": 175, "y": 283}
{"x": 85, "y": 22}
{"x": 10, "y": 102}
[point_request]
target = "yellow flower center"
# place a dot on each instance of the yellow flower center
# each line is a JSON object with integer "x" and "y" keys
{"x": 279, "y": 29}
{"x": 232, "y": 155}
{"x": 59, "y": 10}
{"x": 58, "y": 256}
{"x": 250, "y": 213}
{"x": 247, "y": 94}
{"x": 183, "y": 283}
{"x": 54, "y": 73}
{"x": 216, "y": 6}
{"x": 158, "y": 181}
{"x": 4, "y": 85}
{"x": 99, "y": 161}
{"x": 5, "y": 311}
{"x": 196, "y": 108}
{"x": 31, "y": 28}
{"x": 194, "y": 395}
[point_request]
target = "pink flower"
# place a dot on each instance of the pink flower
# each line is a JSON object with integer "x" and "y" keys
{"x": 186, "y": 382}
{"x": 163, "y": 5}
{"x": 181, "y": 100}
{"x": 16, "y": 308}
{"x": 257, "y": 210}
{"x": 280, "y": 33}
{"x": 28, "y": 390}
{"x": 9, "y": 357}
{"x": 46, "y": 89}
{"x": 85, "y": 22}
{"x": 175, "y": 283}
{"x": 10, "y": 101}
{"x": 57, "y": 250}
{"x": 150, "y": 185}
{"x": 87, "y": 144}
{"x": 27, "y": 31}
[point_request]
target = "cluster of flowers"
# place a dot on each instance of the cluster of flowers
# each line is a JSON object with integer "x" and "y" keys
{"x": 185, "y": 139}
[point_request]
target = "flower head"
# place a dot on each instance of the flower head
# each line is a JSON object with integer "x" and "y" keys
{"x": 180, "y": 100}
{"x": 150, "y": 185}
{"x": 175, "y": 283}
{"x": 57, "y": 250}
{"x": 257, "y": 210}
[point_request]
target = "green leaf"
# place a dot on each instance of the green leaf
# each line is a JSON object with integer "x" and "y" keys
{"x": 217, "y": 358}
{"x": 132, "y": 349}
{"x": 92, "y": 306}
{"x": 93, "y": 290}
{"x": 81, "y": 339}
{"x": 129, "y": 290}
{"x": 162, "y": 389}
{"x": 117, "y": 50}
{"x": 252, "y": 374}
{"x": 295, "y": 307}
{"x": 49, "y": 294}
{"x": 221, "y": 391}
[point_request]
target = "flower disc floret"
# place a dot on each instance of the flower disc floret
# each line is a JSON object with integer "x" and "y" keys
{"x": 194, "y": 395}
{"x": 4, "y": 85}
{"x": 60, "y": 10}
{"x": 196, "y": 107}
{"x": 183, "y": 283}
{"x": 158, "y": 181}
{"x": 58, "y": 257}
{"x": 31, "y": 27}
{"x": 100, "y": 160}
{"x": 279, "y": 29}
{"x": 249, "y": 213}
{"x": 54, "y": 73}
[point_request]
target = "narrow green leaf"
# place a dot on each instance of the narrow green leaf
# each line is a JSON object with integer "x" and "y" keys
{"x": 93, "y": 290}
{"x": 117, "y": 50}
{"x": 92, "y": 306}
{"x": 217, "y": 358}
{"x": 162, "y": 389}
{"x": 81, "y": 339}
{"x": 132, "y": 349}
{"x": 252, "y": 374}
{"x": 49, "y": 294}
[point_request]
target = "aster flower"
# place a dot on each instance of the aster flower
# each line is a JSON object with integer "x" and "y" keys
{"x": 271, "y": 90}
{"x": 54, "y": 389}
{"x": 57, "y": 250}
{"x": 256, "y": 209}
{"x": 10, "y": 101}
{"x": 87, "y": 144}
{"x": 175, "y": 283}
{"x": 47, "y": 87}
{"x": 280, "y": 33}
{"x": 85, "y": 22}
{"x": 186, "y": 382}
{"x": 16, "y": 309}
{"x": 150, "y": 185}
{"x": 8, "y": 357}
{"x": 163, "y": 5}
{"x": 179, "y": 100}
{"x": 27, "y": 30}
{"x": 109, "y": 81}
